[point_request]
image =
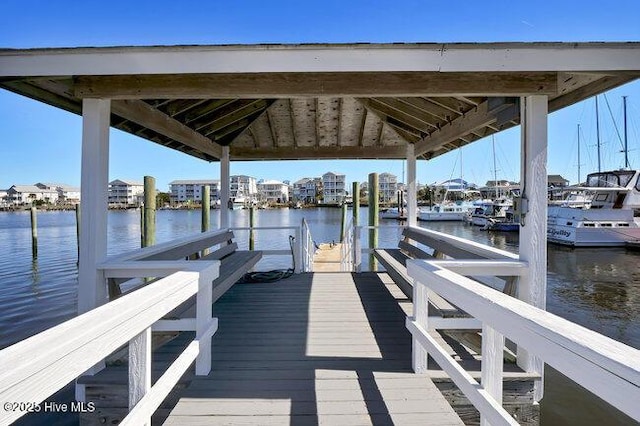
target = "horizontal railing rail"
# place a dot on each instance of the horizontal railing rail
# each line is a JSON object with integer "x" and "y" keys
{"x": 46, "y": 362}
{"x": 608, "y": 368}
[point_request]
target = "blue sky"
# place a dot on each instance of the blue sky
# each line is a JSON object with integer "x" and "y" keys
{"x": 40, "y": 143}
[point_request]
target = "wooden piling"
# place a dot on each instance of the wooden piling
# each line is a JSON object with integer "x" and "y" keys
{"x": 252, "y": 218}
{"x": 374, "y": 210}
{"x": 149, "y": 211}
{"x": 34, "y": 232}
{"x": 356, "y": 202}
{"x": 206, "y": 208}
{"x": 142, "y": 226}
{"x": 343, "y": 222}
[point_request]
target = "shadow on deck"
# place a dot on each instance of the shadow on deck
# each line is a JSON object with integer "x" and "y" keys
{"x": 314, "y": 349}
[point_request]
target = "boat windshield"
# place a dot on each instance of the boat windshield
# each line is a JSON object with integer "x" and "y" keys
{"x": 617, "y": 179}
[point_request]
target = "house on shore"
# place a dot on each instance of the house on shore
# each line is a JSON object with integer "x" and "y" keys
{"x": 19, "y": 195}
{"x": 273, "y": 191}
{"x": 125, "y": 193}
{"x": 184, "y": 191}
{"x": 333, "y": 188}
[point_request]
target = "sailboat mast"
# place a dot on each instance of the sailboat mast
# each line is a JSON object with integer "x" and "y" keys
{"x": 626, "y": 147}
{"x": 598, "y": 134}
{"x": 495, "y": 168}
{"x": 579, "y": 180}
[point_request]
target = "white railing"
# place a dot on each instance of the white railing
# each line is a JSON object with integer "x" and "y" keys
{"x": 295, "y": 251}
{"x": 39, "y": 366}
{"x": 308, "y": 247}
{"x": 602, "y": 365}
{"x": 346, "y": 248}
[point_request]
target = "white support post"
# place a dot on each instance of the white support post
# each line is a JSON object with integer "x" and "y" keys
{"x": 412, "y": 200}
{"x": 357, "y": 249}
{"x": 204, "y": 314}
{"x": 492, "y": 364}
{"x": 92, "y": 289}
{"x": 297, "y": 250}
{"x": 225, "y": 182}
{"x": 533, "y": 232}
{"x": 419, "y": 354}
{"x": 140, "y": 369}
{"x": 94, "y": 185}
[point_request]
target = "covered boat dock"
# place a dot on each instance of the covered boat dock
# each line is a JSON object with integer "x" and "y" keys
{"x": 291, "y": 102}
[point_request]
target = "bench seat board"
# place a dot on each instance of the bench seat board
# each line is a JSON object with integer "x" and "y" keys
{"x": 395, "y": 263}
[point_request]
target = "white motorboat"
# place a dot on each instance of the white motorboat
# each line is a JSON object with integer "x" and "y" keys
{"x": 487, "y": 210}
{"x": 445, "y": 212}
{"x": 611, "y": 218}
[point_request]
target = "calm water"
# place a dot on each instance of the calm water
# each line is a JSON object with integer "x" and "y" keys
{"x": 597, "y": 288}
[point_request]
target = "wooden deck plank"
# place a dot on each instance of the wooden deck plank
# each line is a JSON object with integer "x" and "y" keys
{"x": 316, "y": 348}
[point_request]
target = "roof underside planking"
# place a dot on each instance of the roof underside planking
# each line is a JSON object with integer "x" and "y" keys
{"x": 318, "y": 101}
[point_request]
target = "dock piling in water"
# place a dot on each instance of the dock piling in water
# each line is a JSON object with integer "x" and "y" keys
{"x": 343, "y": 221}
{"x": 374, "y": 209}
{"x": 34, "y": 232}
{"x": 252, "y": 218}
{"x": 205, "y": 206}
{"x": 356, "y": 202}
{"x": 149, "y": 236}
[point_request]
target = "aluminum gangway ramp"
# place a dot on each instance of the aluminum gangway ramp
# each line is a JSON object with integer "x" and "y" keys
{"x": 315, "y": 349}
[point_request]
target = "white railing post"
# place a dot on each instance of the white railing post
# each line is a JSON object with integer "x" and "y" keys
{"x": 140, "y": 369}
{"x": 419, "y": 355}
{"x": 492, "y": 363}
{"x": 204, "y": 314}
{"x": 297, "y": 250}
{"x": 304, "y": 246}
{"x": 357, "y": 249}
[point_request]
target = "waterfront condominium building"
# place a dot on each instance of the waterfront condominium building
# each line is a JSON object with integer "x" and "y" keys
{"x": 333, "y": 188}
{"x": 184, "y": 191}
{"x": 125, "y": 193}
{"x": 19, "y": 195}
{"x": 388, "y": 187}
{"x": 307, "y": 189}
{"x": 273, "y": 191}
{"x": 243, "y": 189}
{"x": 66, "y": 193}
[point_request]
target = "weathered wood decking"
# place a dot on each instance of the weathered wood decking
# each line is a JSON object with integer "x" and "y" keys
{"x": 313, "y": 349}
{"x": 327, "y": 258}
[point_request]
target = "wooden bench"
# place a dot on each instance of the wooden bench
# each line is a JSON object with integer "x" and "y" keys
{"x": 234, "y": 263}
{"x": 395, "y": 263}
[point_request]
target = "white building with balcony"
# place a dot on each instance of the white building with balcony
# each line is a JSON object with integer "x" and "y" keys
{"x": 307, "y": 189}
{"x": 183, "y": 191}
{"x": 333, "y": 188}
{"x": 125, "y": 193}
{"x": 273, "y": 191}
{"x": 243, "y": 189}
{"x": 66, "y": 193}
{"x": 19, "y": 195}
{"x": 388, "y": 188}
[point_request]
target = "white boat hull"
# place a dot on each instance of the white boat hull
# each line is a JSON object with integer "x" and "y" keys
{"x": 428, "y": 216}
{"x": 592, "y": 227}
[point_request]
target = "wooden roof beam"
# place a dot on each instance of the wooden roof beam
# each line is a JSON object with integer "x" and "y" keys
{"x": 311, "y": 153}
{"x": 145, "y": 115}
{"x": 286, "y": 85}
{"x": 458, "y": 128}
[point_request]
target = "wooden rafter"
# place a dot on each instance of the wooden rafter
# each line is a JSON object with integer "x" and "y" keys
{"x": 145, "y": 115}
